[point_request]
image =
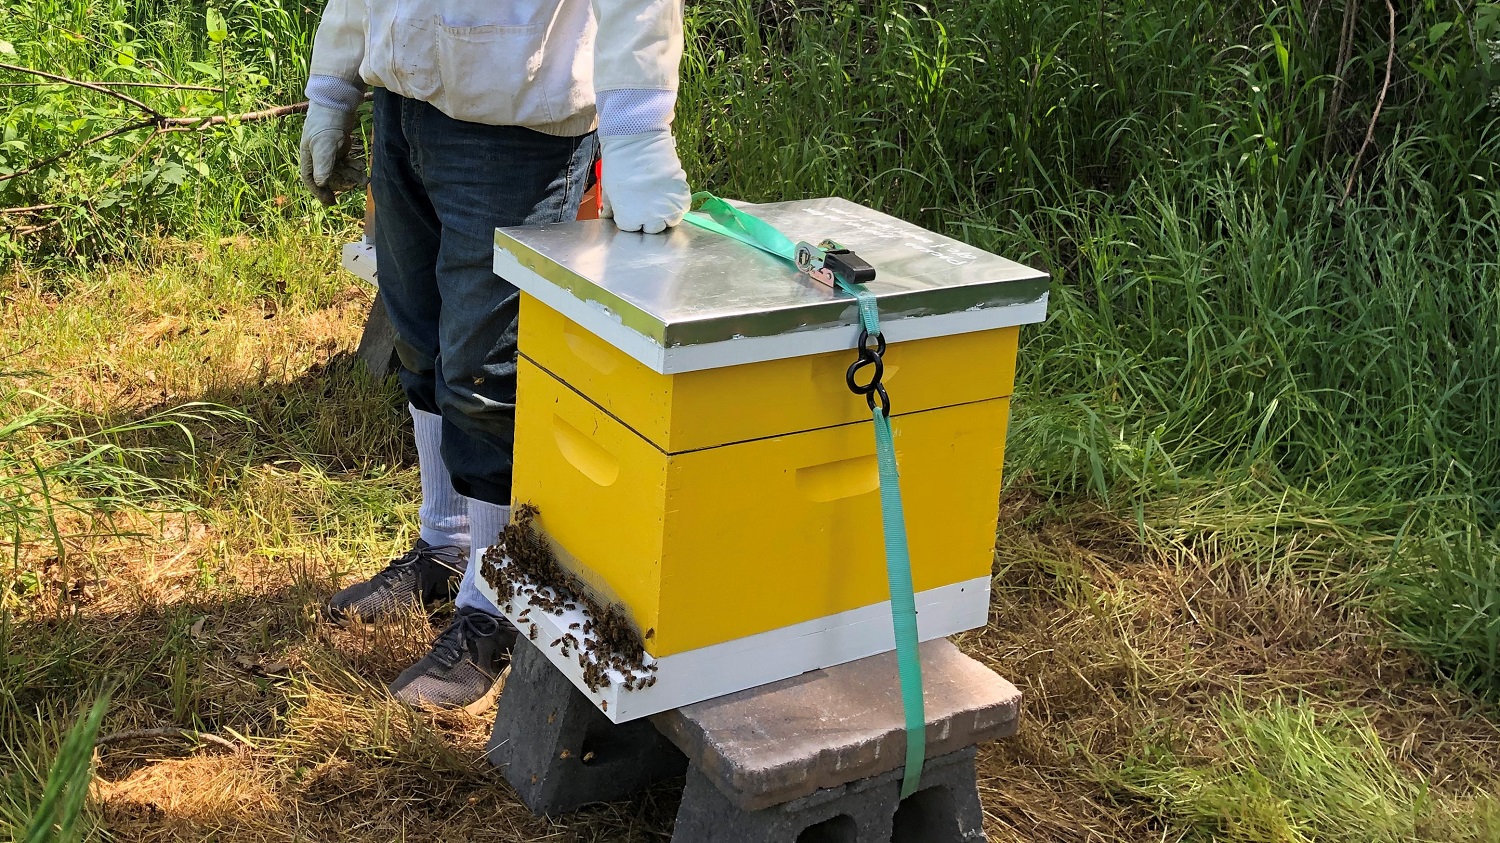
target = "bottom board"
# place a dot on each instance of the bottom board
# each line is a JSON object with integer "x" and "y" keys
{"x": 713, "y": 671}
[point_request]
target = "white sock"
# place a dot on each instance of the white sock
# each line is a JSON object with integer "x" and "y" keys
{"x": 444, "y": 515}
{"x": 486, "y": 520}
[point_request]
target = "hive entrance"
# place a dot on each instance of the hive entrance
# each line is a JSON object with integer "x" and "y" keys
{"x": 606, "y": 644}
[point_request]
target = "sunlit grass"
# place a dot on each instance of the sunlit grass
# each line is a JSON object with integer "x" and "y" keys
{"x": 1288, "y": 772}
{"x": 1222, "y": 313}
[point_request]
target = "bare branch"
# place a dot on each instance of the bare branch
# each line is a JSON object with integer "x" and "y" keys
{"x": 166, "y": 732}
{"x": 89, "y": 85}
{"x": 29, "y": 230}
{"x": 1346, "y": 47}
{"x": 197, "y": 124}
{"x": 1390, "y": 65}
{"x": 169, "y": 86}
{"x": 29, "y": 209}
{"x": 53, "y": 159}
{"x": 135, "y": 156}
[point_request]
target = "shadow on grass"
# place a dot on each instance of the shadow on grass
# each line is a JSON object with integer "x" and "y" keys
{"x": 320, "y": 750}
{"x": 335, "y": 417}
{"x": 215, "y": 626}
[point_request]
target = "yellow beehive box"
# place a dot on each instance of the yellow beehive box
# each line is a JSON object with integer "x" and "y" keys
{"x": 706, "y": 408}
{"x": 685, "y": 430}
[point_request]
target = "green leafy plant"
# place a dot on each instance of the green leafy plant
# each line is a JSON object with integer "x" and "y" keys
{"x": 119, "y": 119}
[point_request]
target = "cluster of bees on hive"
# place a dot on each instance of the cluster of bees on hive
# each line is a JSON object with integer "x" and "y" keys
{"x": 521, "y": 564}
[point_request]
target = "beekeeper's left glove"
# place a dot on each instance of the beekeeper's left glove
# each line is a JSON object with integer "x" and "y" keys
{"x": 330, "y": 162}
{"x": 645, "y": 187}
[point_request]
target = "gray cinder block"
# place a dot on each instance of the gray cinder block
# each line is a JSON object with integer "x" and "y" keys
{"x": 945, "y": 810}
{"x": 559, "y": 752}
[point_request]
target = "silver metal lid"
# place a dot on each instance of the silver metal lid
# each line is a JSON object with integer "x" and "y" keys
{"x": 692, "y": 299}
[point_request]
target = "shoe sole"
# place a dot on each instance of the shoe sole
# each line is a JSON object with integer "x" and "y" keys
{"x": 484, "y": 703}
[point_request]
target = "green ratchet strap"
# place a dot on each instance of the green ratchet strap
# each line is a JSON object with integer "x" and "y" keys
{"x": 714, "y": 214}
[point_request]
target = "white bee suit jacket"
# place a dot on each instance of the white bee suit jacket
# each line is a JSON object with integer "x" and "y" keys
{"x": 533, "y": 63}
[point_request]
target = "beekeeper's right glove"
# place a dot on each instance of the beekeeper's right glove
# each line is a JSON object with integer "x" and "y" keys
{"x": 644, "y": 186}
{"x": 330, "y": 162}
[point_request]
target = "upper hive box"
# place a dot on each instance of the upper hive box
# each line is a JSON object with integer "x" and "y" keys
{"x": 684, "y": 428}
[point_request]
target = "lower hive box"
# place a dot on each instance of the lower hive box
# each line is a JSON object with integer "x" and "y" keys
{"x": 702, "y": 478}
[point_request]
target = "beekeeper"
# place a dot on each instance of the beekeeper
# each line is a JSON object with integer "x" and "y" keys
{"x": 486, "y": 114}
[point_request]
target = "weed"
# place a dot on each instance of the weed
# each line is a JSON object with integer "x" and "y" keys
{"x": 52, "y": 467}
{"x": 1440, "y": 591}
{"x": 67, "y": 786}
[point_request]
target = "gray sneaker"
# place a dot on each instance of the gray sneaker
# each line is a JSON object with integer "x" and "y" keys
{"x": 425, "y": 574}
{"x": 463, "y": 668}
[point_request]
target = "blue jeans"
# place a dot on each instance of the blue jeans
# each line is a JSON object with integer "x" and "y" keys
{"x": 441, "y": 187}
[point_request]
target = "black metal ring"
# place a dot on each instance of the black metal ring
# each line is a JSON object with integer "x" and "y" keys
{"x": 866, "y": 358}
{"x": 885, "y": 399}
{"x": 864, "y": 342}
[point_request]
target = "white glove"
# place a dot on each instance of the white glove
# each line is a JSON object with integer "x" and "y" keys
{"x": 645, "y": 188}
{"x": 330, "y": 163}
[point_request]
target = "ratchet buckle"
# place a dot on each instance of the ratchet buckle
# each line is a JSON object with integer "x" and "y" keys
{"x": 830, "y": 263}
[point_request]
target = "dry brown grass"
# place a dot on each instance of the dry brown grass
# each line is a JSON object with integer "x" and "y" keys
{"x": 209, "y": 619}
{"x": 1123, "y": 650}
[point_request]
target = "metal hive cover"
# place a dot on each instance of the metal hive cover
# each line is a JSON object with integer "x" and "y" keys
{"x": 692, "y": 299}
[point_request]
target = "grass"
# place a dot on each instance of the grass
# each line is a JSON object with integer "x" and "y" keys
{"x": 66, "y": 788}
{"x": 1285, "y": 772}
{"x": 1171, "y": 694}
{"x": 52, "y": 472}
{"x": 1247, "y": 566}
{"x": 206, "y": 616}
{"x": 1442, "y": 597}
{"x": 1150, "y": 643}
{"x": 1246, "y": 292}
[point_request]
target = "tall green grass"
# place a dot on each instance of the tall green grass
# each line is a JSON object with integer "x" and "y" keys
{"x": 59, "y": 794}
{"x": 1443, "y": 594}
{"x": 1243, "y": 292}
{"x": 1164, "y": 160}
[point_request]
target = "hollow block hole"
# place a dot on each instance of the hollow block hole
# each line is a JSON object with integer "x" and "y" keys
{"x": 927, "y": 816}
{"x": 839, "y": 829}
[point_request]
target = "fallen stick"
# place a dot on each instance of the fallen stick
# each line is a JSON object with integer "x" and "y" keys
{"x": 166, "y": 732}
{"x": 1385, "y": 87}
